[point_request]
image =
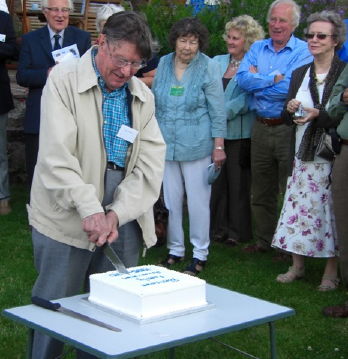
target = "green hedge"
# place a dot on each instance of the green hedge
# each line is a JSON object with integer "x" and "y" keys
{"x": 162, "y": 14}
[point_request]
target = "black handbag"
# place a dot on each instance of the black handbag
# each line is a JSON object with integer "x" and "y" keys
{"x": 329, "y": 145}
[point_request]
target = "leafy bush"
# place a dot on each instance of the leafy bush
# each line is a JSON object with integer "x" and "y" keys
{"x": 162, "y": 14}
{"x": 311, "y": 6}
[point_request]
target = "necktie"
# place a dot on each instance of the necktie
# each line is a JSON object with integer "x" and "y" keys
{"x": 56, "y": 45}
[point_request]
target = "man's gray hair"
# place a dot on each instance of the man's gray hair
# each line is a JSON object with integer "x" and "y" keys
{"x": 44, "y": 3}
{"x": 130, "y": 27}
{"x": 104, "y": 12}
{"x": 296, "y": 10}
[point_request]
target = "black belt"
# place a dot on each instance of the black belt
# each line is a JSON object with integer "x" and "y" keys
{"x": 114, "y": 166}
{"x": 270, "y": 121}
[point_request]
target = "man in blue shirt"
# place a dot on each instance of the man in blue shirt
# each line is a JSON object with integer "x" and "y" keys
{"x": 265, "y": 73}
{"x": 343, "y": 52}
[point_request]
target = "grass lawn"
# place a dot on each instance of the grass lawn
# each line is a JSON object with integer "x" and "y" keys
{"x": 307, "y": 335}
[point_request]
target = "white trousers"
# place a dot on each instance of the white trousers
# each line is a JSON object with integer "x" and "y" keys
{"x": 192, "y": 177}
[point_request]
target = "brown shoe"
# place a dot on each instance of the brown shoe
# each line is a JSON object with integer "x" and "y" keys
{"x": 219, "y": 237}
{"x": 336, "y": 311}
{"x": 254, "y": 248}
{"x": 5, "y": 207}
{"x": 231, "y": 242}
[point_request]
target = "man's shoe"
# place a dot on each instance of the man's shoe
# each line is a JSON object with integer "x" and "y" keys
{"x": 337, "y": 311}
{"x": 5, "y": 207}
{"x": 231, "y": 242}
{"x": 219, "y": 237}
{"x": 254, "y": 248}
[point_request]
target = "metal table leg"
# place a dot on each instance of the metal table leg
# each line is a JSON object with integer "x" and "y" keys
{"x": 171, "y": 353}
{"x": 30, "y": 343}
{"x": 272, "y": 340}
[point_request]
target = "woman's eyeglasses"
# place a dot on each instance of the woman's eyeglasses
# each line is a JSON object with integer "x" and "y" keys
{"x": 319, "y": 36}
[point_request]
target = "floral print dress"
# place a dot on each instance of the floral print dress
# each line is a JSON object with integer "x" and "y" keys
{"x": 306, "y": 225}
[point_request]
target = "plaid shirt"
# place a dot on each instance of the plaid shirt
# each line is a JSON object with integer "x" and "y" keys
{"x": 115, "y": 114}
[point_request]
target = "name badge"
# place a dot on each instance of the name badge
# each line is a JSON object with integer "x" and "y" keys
{"x": 2, "y": 37}
{"x": 127, "y": 133}
{"x": 177, "y": 90}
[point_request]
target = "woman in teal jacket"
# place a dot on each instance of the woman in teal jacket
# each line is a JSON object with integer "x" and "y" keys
{"x": 190, "y": 111}
{"x": 230, "y": 199}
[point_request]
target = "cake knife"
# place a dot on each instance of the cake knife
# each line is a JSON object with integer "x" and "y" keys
{"x": 114, "y": 258}
{"x": 56, "y": 307}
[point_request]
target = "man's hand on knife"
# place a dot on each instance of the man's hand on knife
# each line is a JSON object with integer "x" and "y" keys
{"x": 101, "y": 227}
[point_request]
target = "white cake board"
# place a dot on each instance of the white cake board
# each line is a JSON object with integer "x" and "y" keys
{"x": 151, "y": 319}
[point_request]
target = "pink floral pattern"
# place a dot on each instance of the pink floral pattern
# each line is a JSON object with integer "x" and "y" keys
{"x": 306, "y": 225}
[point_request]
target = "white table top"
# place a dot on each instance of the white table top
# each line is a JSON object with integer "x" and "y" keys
{"x": 229, "y": 311}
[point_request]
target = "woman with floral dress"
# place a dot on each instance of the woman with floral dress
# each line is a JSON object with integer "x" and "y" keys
{"x": 306, "y": 225}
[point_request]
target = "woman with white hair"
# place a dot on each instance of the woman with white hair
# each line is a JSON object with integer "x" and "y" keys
{"x": 3, "y": 6}
{"x": 104, "y": 12}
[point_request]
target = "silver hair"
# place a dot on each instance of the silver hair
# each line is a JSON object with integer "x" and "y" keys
{"x": 296, "y": 10}
{"x": 105, "y": 11}
{"x": 332, "y": 17}
{"x": 44, "y": 3}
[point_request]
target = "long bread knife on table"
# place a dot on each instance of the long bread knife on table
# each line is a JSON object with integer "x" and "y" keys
{"x": 56, "y": 307}
{"x": 114, "y": 258}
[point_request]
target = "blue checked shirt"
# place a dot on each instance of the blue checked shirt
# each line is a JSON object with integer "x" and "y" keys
{"x": 115, "y": 114}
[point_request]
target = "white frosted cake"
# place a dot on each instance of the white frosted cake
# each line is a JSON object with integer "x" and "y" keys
{"x": 147, "y": 291}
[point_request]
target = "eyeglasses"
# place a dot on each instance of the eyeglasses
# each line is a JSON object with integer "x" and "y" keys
{"x": 56, "y": 10}
{"x": 319, "y": 36}
{"x": 121, "y": 62}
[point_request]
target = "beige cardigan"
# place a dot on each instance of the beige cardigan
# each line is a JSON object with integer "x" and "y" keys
{"x": 68, "y": 183}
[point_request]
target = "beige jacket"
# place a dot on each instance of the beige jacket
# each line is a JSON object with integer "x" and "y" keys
{"x": 68, "y": 183}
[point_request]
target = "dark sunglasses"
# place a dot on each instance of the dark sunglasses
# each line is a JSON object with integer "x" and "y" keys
{"x": 319, "y": 36}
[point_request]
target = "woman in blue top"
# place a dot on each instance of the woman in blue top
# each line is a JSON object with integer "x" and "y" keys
{"x": 230, "y": 199}
{"x": 190, "y": 111}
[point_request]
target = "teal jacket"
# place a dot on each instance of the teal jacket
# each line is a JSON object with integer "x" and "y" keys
{"x": 239, "y": 118}
{"x": 189, "y": 112}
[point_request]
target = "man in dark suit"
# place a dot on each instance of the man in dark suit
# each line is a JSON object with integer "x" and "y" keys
{"x": 36, "y": 62}
{"x": 8, "y": 50}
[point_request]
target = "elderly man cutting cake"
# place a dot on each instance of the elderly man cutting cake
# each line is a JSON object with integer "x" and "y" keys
{"x": 99, "y": 168}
